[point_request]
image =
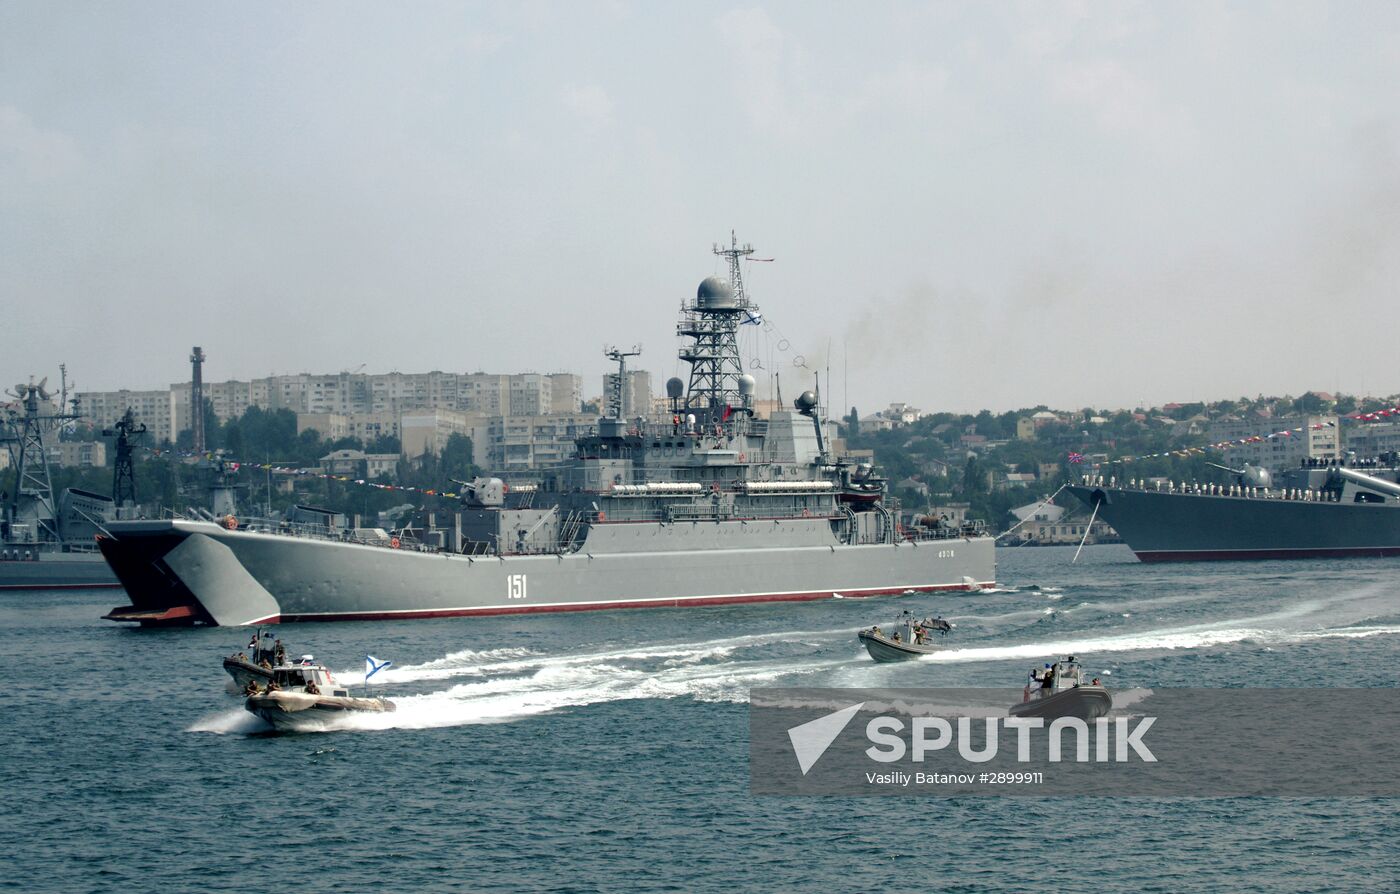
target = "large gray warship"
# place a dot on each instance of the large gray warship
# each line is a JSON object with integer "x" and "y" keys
{"x": 1322, "y": 509}
{"x": 46, "y": 543}
{"x": 713, "y": 505}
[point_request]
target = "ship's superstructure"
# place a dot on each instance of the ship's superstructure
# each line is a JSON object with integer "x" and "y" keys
{"x": 713, "y": 505}
{"x": 1321, "y": 509}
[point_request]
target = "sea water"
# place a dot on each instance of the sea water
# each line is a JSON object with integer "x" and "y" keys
{"x": 608, "y": 750}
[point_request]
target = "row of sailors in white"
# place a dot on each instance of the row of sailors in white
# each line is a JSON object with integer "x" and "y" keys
{"x": 1220, "y": 490}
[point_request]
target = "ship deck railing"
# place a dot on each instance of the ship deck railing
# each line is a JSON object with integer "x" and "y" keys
{"x": 1211, "y": 489}
{"x": 311, "y": 531}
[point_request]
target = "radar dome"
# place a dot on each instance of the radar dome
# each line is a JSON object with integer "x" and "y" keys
{"x": 806, "y": 401}
{"x": 674, "y": 388}
{"x": 746, "y": 384}
{"x": 715, "y": 294}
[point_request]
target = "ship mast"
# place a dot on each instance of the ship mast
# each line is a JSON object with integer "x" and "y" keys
{"x": 617, "y": 393}
{"x": 25, "y": 438}
{"x": 713, "y": 321}
{"x": 123, "y": 473}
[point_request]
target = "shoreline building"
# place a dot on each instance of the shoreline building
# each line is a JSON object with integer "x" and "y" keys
{"x": 102, "y": 409}
{"x": 1280, "y": 452}
{"x": 636, "y": 392}
{"x": 345, "y": 394}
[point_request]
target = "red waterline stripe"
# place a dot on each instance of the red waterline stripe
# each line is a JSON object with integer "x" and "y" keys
{"x": 1250, "y": 554}
{"x": 39, "y": 586}
{"x": 598, "y": 606}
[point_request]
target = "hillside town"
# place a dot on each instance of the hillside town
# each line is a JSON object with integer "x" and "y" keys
{"x": 999, "y": 468}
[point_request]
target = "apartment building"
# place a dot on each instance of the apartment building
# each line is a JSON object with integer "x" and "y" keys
{"x": 154, "y": 408}
{"x": 1278, "y": 452}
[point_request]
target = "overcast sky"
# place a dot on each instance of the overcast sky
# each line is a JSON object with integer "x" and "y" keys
{"x": 973, "y": 205}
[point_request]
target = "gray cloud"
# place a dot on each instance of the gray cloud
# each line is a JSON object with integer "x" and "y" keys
{"x": 1061, "y": 203}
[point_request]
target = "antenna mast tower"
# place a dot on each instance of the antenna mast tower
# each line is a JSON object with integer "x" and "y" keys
{"x": 123, "y": 473}
{"x": 713, "y": 321}
{"x": 25, "y": 439}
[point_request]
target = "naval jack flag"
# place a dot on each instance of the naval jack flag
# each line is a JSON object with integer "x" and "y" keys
{"x": 373, "y": 666}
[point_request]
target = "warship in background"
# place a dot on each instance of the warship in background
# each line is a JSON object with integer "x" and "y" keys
{"x": 47, "y": 543}
{"x": 712, "y": 506}
{"x": 1321, "y": 509}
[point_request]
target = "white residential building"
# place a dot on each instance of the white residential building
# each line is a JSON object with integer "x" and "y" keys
{"x": 636, "y": 392}
{"x": 1316, "y": 437}
{"x": 154, "y": 408}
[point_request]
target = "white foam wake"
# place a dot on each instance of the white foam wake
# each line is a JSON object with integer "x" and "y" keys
{"x": 557, "y": 687}
{"x": 470, "y": 663}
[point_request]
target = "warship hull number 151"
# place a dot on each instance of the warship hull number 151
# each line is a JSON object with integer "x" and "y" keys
{"x": 712, "y": 505}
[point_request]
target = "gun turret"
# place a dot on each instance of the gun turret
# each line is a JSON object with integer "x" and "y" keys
{"x": 483, "y": 491}
{"x": 1249, "y": 476}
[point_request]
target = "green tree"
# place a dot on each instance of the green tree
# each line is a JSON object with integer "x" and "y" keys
{"x": 233, "y": 439}
{"x": 974, "y": 477}
{"x": 456, "y": 459}
{"x": 1310, "y": 403}
{"x": 384, "y": 444}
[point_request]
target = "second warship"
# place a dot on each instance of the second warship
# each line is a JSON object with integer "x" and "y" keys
{"x": 1322, "y": 509}
{"x": 714, "y": 505}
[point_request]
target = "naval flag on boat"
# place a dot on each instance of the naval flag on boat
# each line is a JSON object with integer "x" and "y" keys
{"x": 373, "y": 666}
